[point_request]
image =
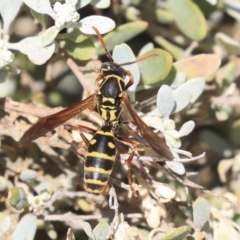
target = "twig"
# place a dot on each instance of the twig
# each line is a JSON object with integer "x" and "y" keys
{"x": 113, "y": 204}
{"x": 74, "y": 67}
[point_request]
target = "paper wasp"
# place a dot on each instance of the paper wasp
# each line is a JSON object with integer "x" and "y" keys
{"x": 108, "y": 100}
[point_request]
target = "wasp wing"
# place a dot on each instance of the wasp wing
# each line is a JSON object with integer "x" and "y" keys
{"x": 48, "y": 123}
{"x": 151, "y": 137}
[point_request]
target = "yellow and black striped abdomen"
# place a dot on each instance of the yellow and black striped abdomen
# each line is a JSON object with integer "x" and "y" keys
{"x": 100, "y": 159}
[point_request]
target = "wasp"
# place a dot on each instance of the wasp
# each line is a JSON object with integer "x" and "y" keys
{"x": 108, "y": 101}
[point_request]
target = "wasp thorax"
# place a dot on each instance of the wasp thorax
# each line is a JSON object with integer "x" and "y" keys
{"x": 112, "y": 68}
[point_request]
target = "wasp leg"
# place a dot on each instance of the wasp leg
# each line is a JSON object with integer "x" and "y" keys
{"x": 133, "y": 147}
{"x": 99, "y": 78}
{"x": 86, "y": 129}
{"x": 131, "y": 80}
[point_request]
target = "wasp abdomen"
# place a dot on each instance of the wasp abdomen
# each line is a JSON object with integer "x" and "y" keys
{"x": 99, "y": 161}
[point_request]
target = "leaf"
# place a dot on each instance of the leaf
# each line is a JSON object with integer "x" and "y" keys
{"x": 75, "y": 35}
{"x": 176, "y": 51}
{"x": 146, "y": 48}
{"x": 42, "y": 6}
{"x": 229, "y": 44}
{"x": 215, "y": 142}
{"x": 165, "y": 101}
{"x": 202, "y": 65}
{"x": 101, "y": 3}
{"x": 230, "y": 71}
{"x": 26, "y": 228}
{"x": 155, "y": 69}
{"x": 163, "y": 16}
{"x": 188, "y": 93}
{"x": 17, "y": 198}
{"x": 201, "y": 212}
{"x": 186, "y": 128}
{"x": 176, "y": 167}
{"x": 28, "y": 175}
{"x": 103, "y": 24}
{"x": 121, "y": 34}
{"x": 40, "y": 18}
{"x": 48, "y": 36}
{"x": 82, "y": 51}
{"x": 30, "y": 46}
{"x": 101, "y": 230}
{"x": 81, "y": 4}
{"x": 122, "y": 54}
{"x": 178, "y": 233}
{"x": 189, "y": 18}
{"x": 88, "y": 230}
{"x": 9, "y": 10}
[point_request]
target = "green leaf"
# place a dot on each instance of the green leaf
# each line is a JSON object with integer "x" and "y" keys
{"x": 26, "y": 228}
{"x": 229, "y": 44}
{"x": 157, "y": 68}
{"x": 17, "y": 198}
{"x": 163, "y": 16}
{"x": 121, "y": 34}
{"x": 201, "y": 212}
{"x": 176, "y": 51}
{"x": 178, "y": 233}
{"x": 231, "y": 71}
{"x": 160, "y": 15}
{"x": 75, "y": 35}
{"x": 48, "y": 36}
{"x": 82, "y": 51}
{"x": 189, "y": 18}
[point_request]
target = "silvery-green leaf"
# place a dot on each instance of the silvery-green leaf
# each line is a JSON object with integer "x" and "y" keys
{"x": 88, "y": 230}
{"x": 176, "y": 167}
{"x": 229, "y": 44}
{"x": 188, "y": 93}
{"x": 145, "y": 49}
{"x": 101, "y": 230}
{"x": 26, "y": 228}
{"x": 48, "y": 36}
{"x": 177, "y": 233}
{"x": 123, "y": 54}
{"x": 173, "y": 141}
{"x": 9, "y": 10}
{"x": 82, "y": 3}
{"x": 103, "y": 24}
{"x": 165, "y": 100}
{"x": 201, "y": 212}
{"x": 40, "y": 18}
{"x": 179, "y": 79}
{"x": 101, "y": 3}
{"x": 234, "y": 13}
{"x": 3, "y": 182}
{"x": 43, "y": 6}
{"x": 186, "y": 128}
{"x": 28, "y": 175}
{"x": 30, "y": 47}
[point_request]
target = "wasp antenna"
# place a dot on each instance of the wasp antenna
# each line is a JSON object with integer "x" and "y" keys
{"x": 103, "y": 43}
{"x": 140, "y": 59}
